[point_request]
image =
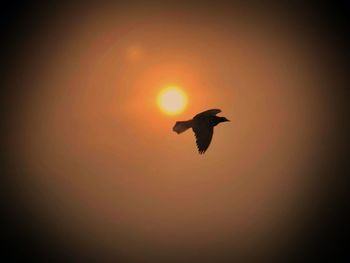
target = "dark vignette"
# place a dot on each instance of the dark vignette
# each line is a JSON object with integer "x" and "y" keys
{"x": 326, "y": 235}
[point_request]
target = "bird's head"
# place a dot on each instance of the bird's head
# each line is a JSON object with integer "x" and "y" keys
{"x": 223, "y": 119}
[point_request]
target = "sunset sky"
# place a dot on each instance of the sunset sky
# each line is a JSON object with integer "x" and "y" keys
{"x": 98, "y": 165}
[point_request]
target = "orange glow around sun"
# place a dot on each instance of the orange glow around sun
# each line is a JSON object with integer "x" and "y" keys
{"x": 172, "y": 100}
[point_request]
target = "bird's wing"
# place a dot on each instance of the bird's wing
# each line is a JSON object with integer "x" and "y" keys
{"x": 203, "y": 134}
{"x": 211, "y": 112}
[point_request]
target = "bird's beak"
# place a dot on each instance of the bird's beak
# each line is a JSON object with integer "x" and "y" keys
{"x": 227, "y": 120}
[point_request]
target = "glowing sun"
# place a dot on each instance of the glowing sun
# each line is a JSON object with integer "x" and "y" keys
{"x": 172, "y": 100}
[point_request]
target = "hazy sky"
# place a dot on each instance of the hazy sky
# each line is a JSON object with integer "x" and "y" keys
{"x": 104, "y": 172}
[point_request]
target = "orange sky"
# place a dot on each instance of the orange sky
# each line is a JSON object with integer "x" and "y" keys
{"x": 107, "y": 171}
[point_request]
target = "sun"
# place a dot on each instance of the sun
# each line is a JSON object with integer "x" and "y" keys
{"x": 172, "y": 100}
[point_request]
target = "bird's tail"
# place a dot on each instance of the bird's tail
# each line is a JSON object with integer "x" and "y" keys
{"x": 182, "y": 126}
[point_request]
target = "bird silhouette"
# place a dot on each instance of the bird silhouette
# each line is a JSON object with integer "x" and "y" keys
{"x": 203, "y": 127}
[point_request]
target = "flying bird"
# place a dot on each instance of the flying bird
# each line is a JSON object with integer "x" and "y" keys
{"x": 203, "y": 127}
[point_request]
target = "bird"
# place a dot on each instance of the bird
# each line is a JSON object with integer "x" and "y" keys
{"x": 202, "y": 125}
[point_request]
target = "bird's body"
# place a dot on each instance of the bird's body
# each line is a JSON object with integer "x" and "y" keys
{"x": 203, "y": 127}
